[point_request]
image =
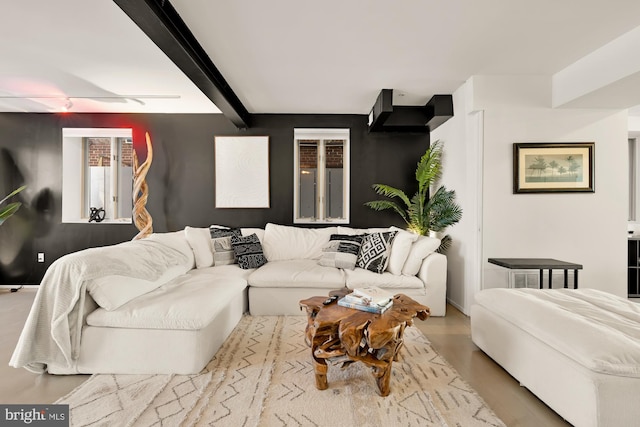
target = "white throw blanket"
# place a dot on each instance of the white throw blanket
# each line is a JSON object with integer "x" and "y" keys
{"x": 52, "y": 332}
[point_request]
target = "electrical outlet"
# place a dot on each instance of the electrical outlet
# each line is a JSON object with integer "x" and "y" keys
{"x": 40, "y": 256}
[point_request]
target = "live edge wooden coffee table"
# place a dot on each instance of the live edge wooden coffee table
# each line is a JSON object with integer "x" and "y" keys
{"x": 345, "y": 335}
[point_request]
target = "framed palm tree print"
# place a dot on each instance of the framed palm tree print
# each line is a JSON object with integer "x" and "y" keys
{"x": 552, "y": 167}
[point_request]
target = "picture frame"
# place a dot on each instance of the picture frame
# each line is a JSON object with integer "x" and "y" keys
{"x": 241, "y": 171}
{"x": 553, "y": 167}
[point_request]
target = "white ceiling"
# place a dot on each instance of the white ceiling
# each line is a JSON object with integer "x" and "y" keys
{"x": 291, "y": 56}
{"x": 88, "y": 51}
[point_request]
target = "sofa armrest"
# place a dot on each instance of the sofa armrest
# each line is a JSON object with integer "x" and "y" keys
{"x": 433, "y": 273}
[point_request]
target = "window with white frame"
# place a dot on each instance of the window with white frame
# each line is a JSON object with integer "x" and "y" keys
{"x": 97, "y": 174}
{"x": 321, "y": 176}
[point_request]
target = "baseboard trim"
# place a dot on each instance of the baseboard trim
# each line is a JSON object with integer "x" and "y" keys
{"x": 456, "y": 305}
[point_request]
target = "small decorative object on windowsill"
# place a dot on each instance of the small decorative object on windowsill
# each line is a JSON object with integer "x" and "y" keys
{"x": 141, "y": 217}
{"x": 96, "y": 214}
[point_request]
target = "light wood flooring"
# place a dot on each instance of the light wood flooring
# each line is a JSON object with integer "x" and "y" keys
{"x": 450, "y": 336}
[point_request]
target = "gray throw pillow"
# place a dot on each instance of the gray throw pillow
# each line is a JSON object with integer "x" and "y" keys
{"x": 341, "y": 251}
{"x": 221, "y": 244}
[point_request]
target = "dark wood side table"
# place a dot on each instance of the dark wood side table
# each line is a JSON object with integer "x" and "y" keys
{"x": 541, "y": 264}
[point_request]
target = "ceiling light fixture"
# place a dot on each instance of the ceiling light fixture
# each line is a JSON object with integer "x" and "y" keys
{"x": 98, "y": 97}
{"x": 67, "y": 106}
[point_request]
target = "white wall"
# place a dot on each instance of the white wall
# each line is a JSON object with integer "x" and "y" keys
{"x": 585, "y": 228}
{"x": 462, "y": 161}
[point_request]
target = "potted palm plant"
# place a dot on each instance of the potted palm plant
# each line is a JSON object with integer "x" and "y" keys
{"x": 423, "y": 212}
{"x": 11, "y": 208}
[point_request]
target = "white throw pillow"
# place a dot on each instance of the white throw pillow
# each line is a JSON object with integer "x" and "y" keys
{"x": 351, "y": 231}
{"x": 355, "y": 231}
{"x": 420, "y": 249}
{"x": 178, "y": 241}
{"x": 111, "y": 292}
{"x": 400, "y": 249}
{"x": 258, "y": 232}
{"x": 283, "y": 242}
{"x": 200, "y": 241}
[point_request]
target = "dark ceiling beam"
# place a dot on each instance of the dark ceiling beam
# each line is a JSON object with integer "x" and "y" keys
{"x": 385, "y": 117}
{"x": 381, "y": 110}
{"x": 440, "y": 109}
{"x": 163, "y": 25}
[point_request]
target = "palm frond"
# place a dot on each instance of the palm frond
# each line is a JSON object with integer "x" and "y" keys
{"x": 7, "y": 211}
{"x": 429, "y": 166}
{"x": 391, "y": 192}
{"x": 445, "y": 244}
{"x": 11, "y": 208}
{"x": 13, "y": 193}
{"x": 380, "y": 205}
{"x": 443, "y": 210}
{"x": 416, "y": 217}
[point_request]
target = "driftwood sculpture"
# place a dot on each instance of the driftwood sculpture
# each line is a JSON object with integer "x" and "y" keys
{"x": 141, "y": 217}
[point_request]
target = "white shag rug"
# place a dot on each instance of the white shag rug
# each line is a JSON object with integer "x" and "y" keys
{"x": 263, "y": 376}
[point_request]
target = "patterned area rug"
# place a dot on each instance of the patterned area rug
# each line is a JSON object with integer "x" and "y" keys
{"x": 263, "y": 376}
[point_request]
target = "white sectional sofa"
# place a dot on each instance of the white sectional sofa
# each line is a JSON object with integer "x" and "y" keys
{"x": 165, "y": 304}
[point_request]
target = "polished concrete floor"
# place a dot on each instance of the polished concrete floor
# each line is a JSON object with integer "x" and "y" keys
{"x": 450, "y": 336}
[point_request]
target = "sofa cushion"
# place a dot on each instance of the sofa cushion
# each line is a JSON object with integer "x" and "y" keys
{"x": 374, "y": 253}
{"x": 283, "y": 242}
{"x": 189, "y": 302}
{"x": 298, "y": 273}
{"x": 231, "y": 270}
{"x": 400, "y": 249}
{"x": 112, "y": 291}
{"x": 341, "y": 251}
{"x": 200, "y": 242}
{"x": 420, "y": 249}
{"x": 125, "y": 271}
{"x": 359, "y": 277}
{"x": 248, "y": 251}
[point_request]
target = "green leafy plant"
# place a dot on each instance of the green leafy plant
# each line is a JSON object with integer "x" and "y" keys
{"x": 11, "y": 208}
{"x": 423, "y": 212}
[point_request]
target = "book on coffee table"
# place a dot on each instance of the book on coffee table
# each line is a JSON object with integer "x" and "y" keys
{"x": 371, "y": 295}
{"x": 375, "y": 308}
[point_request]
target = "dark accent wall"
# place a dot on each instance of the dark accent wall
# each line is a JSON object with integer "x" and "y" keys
{"x": 181, "y": 178}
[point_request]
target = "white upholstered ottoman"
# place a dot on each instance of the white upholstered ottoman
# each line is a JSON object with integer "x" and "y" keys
{"x": 577, "y": 350}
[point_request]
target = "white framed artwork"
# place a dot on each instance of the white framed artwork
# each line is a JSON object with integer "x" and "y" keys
{"x": 241, "y": 171}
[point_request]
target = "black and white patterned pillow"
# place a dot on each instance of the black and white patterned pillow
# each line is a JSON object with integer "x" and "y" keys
{"x": 248, "y": 251}
{"x": 221, "y": 244}
{"x": 218, "y": 231}
{"x": 341, "y": 251}
{"x": 375, "y": 250}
